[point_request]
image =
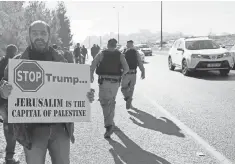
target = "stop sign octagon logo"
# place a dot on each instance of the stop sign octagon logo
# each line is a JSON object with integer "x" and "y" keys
{"x": 29, "y": 76}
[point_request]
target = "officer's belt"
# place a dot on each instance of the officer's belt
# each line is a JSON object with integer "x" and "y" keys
{"x": 133, "y": 71}
{"x": 110, "y": 79}
{"x": 48, "y": 124}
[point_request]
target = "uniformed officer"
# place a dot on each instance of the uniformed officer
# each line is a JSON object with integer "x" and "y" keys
{"x": 110, "y": 66}
{"x": 129, "y": 80}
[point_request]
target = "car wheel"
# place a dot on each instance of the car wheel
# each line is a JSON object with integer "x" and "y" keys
{"x": 233, "y": 67}
{"x": 170, "y": 64}
{"x": 224, "y": 72}
{"x": 185, "y": 71}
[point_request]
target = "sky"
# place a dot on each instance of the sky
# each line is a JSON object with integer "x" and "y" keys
{"x": 189, "y": 17}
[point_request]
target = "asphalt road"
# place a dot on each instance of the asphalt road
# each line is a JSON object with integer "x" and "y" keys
{"x": 149, "y": 134}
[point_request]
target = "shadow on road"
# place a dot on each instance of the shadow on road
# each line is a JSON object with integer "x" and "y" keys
{"x": 162, "y": 124}
{"x": 213, "y": 76}
{"x": 210, "y": 75}
{"x": 131, "y": 153}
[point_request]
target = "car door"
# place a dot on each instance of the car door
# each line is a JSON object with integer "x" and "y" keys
{"x": 232, "y": 51}
{"x": 173, "y": 52}
{"x": 180, "y": 53}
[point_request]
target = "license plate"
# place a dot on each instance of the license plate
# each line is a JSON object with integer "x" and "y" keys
{"x": 214, "y": 65}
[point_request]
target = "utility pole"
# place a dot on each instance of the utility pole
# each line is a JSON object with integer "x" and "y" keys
{"x": 161, "y": 24}
{"x": 100, "y": 41}
{"x": 118, "y": 27}
{"x": 89, "y": 41}
{"x": 118, "y": 20}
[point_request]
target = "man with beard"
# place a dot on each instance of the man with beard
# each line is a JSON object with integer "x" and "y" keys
{"x": 38, "y": 137}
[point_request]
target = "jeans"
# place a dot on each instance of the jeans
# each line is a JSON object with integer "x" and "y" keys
{"x": 10, "y": 140}
{"x": 52, "y": 137}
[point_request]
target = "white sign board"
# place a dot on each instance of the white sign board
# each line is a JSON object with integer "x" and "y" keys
{"x": 48, "y": 92}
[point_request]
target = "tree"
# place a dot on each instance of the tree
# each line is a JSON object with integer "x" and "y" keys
{"x": 12, "y": 24}
{"x": 55, "y": 26}
{"x": 36, "y": 10}
{"x": 64, "y": 31}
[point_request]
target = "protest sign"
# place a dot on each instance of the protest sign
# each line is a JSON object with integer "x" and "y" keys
{"x": 48, "y": 92}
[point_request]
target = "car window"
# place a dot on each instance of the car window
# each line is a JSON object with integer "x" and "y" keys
{"x": 144, "y": 46}
{"x": 233, "y": 48}
{"x": 137, "y": 47}
{"x": 177, "y": 44}
{"x": 174, "y": 44}
{"x": 181, "y": 45}
{"x": 201, "y": 44}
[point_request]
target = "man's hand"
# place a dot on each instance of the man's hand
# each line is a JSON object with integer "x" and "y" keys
{"x": 143, "y": 75}
{"x": 3, "y": 113}
{"x": 91, "y": 95}
{"x": 5, "y": 89}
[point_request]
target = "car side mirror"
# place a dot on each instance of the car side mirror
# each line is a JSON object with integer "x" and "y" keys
{"x": 180, "y": 49}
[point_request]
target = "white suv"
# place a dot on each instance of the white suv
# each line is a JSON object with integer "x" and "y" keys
{"x": 199, "y": 54}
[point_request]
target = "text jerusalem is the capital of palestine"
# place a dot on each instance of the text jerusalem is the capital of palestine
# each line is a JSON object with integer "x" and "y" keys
{"x": 40, "y": 102}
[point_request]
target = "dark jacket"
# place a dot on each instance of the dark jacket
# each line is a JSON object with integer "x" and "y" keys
{"x": 68, "y": 56}
{"x": 77, "y": 52}
{"x": 84, "y": 51}
{"x": 23, "y": 131}
{"x": 3, "y": 64}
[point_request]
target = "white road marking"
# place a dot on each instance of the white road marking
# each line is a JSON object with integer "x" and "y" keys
{"x": 220, "y": 157}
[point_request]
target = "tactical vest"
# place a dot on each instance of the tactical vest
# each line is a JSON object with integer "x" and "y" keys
{"x": 131, "y": 58}
{"x": 110, "y": 64}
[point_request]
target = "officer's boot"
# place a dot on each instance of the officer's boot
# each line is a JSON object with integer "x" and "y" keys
{"x": 128, "y": 102}
{"x": 11, "y": 161}
{"x": 109, "y": 131}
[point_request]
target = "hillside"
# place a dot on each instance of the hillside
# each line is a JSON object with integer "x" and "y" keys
{"x": 142, "y": 36}
{"x": 145, "y": 36}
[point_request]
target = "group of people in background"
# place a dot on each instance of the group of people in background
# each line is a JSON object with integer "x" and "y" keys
{"x": 95, "y": 50}
{"x": 80, "y": 53}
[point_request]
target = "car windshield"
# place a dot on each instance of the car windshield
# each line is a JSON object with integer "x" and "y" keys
{"x": 143, "y": 46}
{"x": 233, "y": 48}
{"x": 201, "y": 44}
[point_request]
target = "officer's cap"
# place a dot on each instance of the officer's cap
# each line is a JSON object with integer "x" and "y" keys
{"x": 130, "y": 41}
